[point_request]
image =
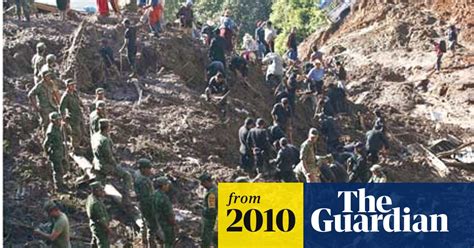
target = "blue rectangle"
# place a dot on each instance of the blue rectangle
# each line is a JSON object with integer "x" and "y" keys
{"x": 428, "y": 204}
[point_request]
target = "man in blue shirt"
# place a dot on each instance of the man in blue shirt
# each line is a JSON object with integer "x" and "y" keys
{"x": 315, "y": 77}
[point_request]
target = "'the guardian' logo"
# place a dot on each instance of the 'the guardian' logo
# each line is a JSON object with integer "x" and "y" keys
{"x": 375, "y": 215}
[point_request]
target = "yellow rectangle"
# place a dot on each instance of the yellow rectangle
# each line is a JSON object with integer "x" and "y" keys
{"x": 259, "y": 214}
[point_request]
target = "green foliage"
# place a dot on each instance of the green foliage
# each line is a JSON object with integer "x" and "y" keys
{"x": 302, "y": 14}
{"x": 171, "y": 9}
{"x": 245, "y": 13}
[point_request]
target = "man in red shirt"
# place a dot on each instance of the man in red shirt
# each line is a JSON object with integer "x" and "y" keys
{"x": 439, "y": 54}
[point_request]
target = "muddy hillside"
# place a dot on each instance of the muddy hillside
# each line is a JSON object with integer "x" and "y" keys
{"x": 163, "y": 116}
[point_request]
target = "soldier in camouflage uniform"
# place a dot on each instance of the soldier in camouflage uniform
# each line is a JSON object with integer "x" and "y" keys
{"x": 54, "y": 147}
{"x": 71, "y": 106}
{"x": 49, "y": 66}
{"x": 209, "y": 215}
{"x": 41, "y": 98}
{"x": 308, "y": 164}
{"x": 99, "y": 219}
{"x": 104, "y": 161}
{"x": 96, "y": 116}
{"x": 145, "y": 191}
{"x": 38, "y": 61}
{"x": 99, "y": 96}
{"x": 164, "y": 209}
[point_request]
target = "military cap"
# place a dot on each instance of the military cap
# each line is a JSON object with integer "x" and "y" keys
{"x": 205, "y": 177}
{"x": 50, "y": 57}
{"x": 100, "y": 104}
{"x": 69, "y": 81}
{"x": 313, "y": 132}
{"x": 40, "y": 45}
{"x": 144, "y": 163}
{"x": 49, "y": 205}
{"x": 99, "y": 91}
{"x": 162, "y": 181}
{"x": 96, "y": 185}
{"x": 54, "y": 116}
{"x": 242, "y": 180}
{"x": 375, "y": 167}
{"x": 104, "y": 123}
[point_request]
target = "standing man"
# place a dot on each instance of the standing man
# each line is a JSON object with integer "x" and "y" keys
{"x": 104, "y": 161}
{"x": 71, "y": 106}
{"x": 49, "y": 66}
{"x": 209, "y": 213}
{"x": 316, "y": 54}
{"x": 258, "y": 142}
{"x": 145, "y": 191}
{"x": 164, "y": 209}
{"x": 99, "y": 96}
{"x": 25, "y": 6}
{"x": 59, "y": 236}
{"x": 227, "y": 28}
{"x": 452, "y": 38}
{"x": 155, "y": 17}
{"x": 38, "y": 61}
{"x": 53, "y": 146}
{"x": 331, "y": 133}
{"x": 376, "y": 141}
{"x": 130, "y": 42}
{"x": 42, "y": 100}
{"x": 186, "y": 17}
{"x": 96, "y": 115}
{"x": 285, "y": 161}
{"x": 246, "y": 161}
{"x": 440, "y": 49}
{"x": 63, "y": 6}
{"x": 260, "y": 38}
{"x": 282, "y": 114}
{"x": 217, "y": 48}
{"x": 341, "y": 75}
{"x": 270, "y": 36}
{"x": 308, "y": 157}
{"x": 292, "y": 45}
{"x": 99, "y": 219}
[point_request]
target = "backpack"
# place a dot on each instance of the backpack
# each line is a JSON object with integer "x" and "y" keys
{"x": 442, "y": 46}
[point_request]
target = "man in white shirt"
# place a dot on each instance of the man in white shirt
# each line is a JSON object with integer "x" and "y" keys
{"x": 275, "y": 68}
{"x": 270, "y": 36}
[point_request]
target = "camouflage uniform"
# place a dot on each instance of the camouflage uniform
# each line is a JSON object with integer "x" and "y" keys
{"x": 71, "y": 103}
{"x": 54, "y": 147}
{"x": 145, "y": 191}
{"x": 38, "y": 61}
{"x": 44, "y": 96}
{"x": 104, "y": 161}
{"x": 209, "y": 218}
{"x": 164, "y": 209}
{"x": 98, "y": 219}
{"x": 308, "y": 155}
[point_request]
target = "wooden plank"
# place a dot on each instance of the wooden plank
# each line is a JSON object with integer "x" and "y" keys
{"x": 435, "y": 162}
{"x": 84, "y": 164}
{"x": 46, "y": 7}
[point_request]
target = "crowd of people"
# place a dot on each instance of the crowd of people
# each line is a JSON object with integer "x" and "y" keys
{"x": 267, "y": 149}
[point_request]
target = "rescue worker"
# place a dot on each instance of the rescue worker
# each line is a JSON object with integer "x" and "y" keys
{"x": 331, "y": 133}
{"x": 217, "y": 48}
{"x": 357, "y": 165}
{"x": 99, "y": 219}
{"x": 144, "y": 190}
{"x": 246, "y": 158}
{"x": 71, "y": 106}
{"x": 258, "y": 142}
{"x": 308, "y": 164}
{"x": 99, "y": 96}
{"x": 217, "y": 86}
{"x": 38, "y": 61}
{"x": 164, "y": 209}
{"x": 104, "y": 161}
{"x": 282, "y": 114}
{"x": 50, "y": 66}
{"x": 23, "y": 6}
{"x": 41, "y": 98}
{"x": 378, "y": 176}
{"x": 186, "y": 16}
{"x": 227, "y": 29}
{"x": 60, "y": 233}
{"x": 209, "y": 215}
{"x": 130, "y": 42}
{"x": 96, "y": 115}
{"x": 285, "y": 161}
{"x": 53, "y": 146}
{"x": 376, "y": 142}
{"x": 275, "y": 71}
{"x": 275, "y": 133}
